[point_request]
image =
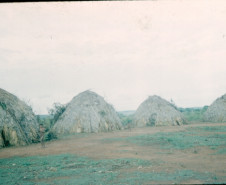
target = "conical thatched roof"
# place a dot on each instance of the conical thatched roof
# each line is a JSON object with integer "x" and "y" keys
{"x": 156, "y": 111}
{"x": 216, "y": 112}
{"x": 18, "y": 125}
{"x": 87, "y": 112}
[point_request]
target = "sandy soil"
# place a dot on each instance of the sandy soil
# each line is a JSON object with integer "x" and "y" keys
{"x": 93, "y": 146}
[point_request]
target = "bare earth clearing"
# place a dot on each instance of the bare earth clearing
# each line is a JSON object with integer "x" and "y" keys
{"x": 97, "y": 146}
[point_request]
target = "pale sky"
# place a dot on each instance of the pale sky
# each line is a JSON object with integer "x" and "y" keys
{"x": 123, "y": 50}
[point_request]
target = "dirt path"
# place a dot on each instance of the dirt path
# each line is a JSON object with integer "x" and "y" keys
{"x": 92, "y": 145}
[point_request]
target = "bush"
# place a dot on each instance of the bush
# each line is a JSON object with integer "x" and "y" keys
{"x": 126, "y": 120}
{"x": 50, "y": 136}
{"x": 193, "y": 114}
{"x": 57, "y": 110}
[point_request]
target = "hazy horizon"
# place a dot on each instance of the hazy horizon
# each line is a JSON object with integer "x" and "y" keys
{"x": 124, "y": 51}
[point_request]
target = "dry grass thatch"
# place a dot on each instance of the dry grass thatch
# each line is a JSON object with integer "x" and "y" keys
{"x": 156, "y": 111}
{"x": 18, "y": 124}
{"x": 87, "y": 112}
{"x": 216, "y": 112}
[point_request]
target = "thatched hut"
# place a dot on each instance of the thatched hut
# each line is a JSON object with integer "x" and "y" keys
{"x": 216, "y": 112}
{"x": 18, "y": 124}
{"x": 87, "y": 112}
{"x": 156, "y": 111}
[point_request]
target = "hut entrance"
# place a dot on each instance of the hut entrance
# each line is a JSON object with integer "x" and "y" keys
{"x": 152, "y": 120}
{"x": 5, "y": 142}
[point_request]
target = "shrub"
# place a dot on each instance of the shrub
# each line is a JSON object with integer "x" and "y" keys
{"x": 57, "y": 110}
{"x": 50, "y": 136}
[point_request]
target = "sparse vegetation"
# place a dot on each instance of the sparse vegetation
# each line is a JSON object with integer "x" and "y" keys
{"x": 193, "y": 114}
{"x": 126, "y": 119}
{"x": 181, "y": 140}
{"x": 208, "y": 129}
{"x": 57, "y": 110}
{"x": 70, "y": 169}
{"x": 49, "y": 120}
{"x": 74, "y": 169}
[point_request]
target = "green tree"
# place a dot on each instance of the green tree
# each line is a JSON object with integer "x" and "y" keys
{"x": 57, "y": 110}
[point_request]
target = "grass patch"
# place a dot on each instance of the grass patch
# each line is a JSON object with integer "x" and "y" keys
{"x": 192, "y": 137}
{"x": 73, "y": 135}
{"x": 208, "y": 129}
{"x": 178, "y": 176}
{"x": 221, "y": 151}
{"x": 179, "y": 140}
{"x": 71, "y": 169}
{"x": 30, "y": 170}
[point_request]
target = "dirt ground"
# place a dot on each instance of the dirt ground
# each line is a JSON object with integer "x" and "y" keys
{"x": 93, "y": 146}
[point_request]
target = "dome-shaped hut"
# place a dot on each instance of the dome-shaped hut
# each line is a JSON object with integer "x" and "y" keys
{"x": 216, "y": 112}
{"x": 156, "y": 111}
{"x": 87, "y": 112}
{"x": 18, "y": 124}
